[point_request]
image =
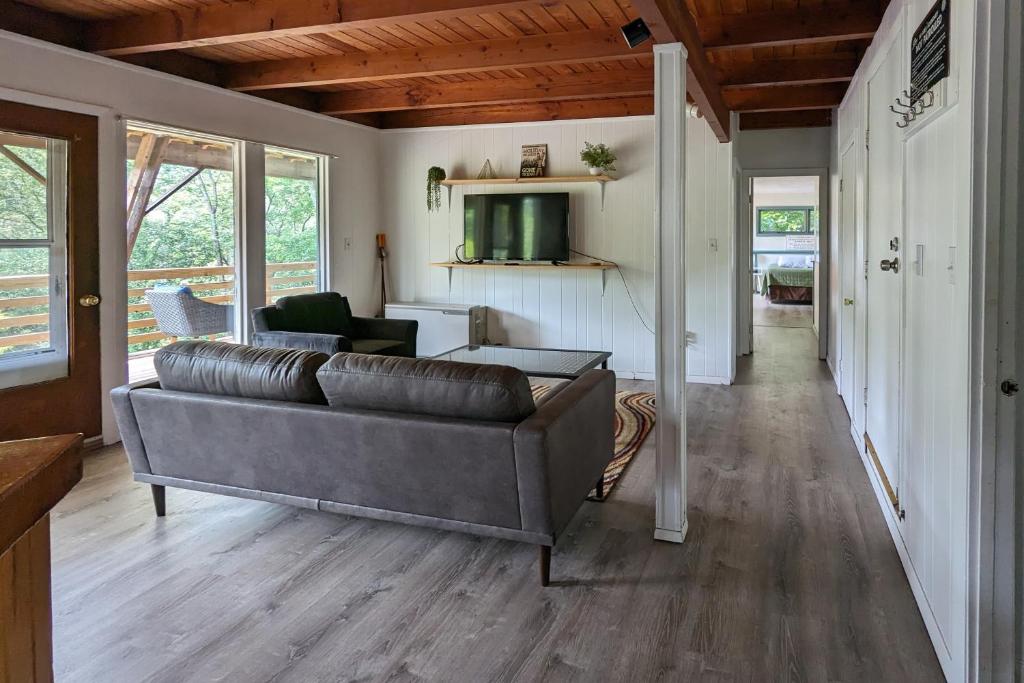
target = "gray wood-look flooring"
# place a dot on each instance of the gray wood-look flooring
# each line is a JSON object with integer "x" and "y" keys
{"x": 787, "y": 574}
{"x": 767, "y": 314}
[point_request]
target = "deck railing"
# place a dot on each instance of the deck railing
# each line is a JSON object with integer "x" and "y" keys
{"x": 24, "y": 317}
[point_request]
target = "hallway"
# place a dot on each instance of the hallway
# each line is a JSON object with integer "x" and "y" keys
{"x": 787, "y": 573}
{"x": 768, "y": 314}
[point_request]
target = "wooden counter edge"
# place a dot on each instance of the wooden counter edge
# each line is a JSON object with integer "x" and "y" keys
{"x": 35, "y": 474}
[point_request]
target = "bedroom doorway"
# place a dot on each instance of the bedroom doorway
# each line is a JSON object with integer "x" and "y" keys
{"x": 783, "y": 249}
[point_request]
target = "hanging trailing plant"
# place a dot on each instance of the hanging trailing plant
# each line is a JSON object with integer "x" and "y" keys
{"x": 435, "y": 175}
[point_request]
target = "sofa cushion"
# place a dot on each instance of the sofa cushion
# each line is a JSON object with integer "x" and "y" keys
{"x": 324, "y": 312}
{"x": 204, "y": 367}
{"x": 495, "y": 393}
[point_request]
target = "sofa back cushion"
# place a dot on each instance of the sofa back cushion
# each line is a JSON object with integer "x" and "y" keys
{"x": 494, "y": 393}
{"x": 204, "y": 367}
{"x": 324, "y": 313}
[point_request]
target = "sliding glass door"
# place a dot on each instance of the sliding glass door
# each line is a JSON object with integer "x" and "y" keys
{"x": 185, "y": 225}
{"x": 182, "y": 233}
{"x": 294, "y": 222}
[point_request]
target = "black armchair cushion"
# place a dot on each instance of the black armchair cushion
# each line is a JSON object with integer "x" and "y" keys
{"x": 379, "y": 347}
{"x": 323, "y": 313}
{"x": 311, "y": 341}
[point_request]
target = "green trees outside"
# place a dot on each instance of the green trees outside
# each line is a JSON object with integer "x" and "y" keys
{"x": 194, "y": 227}
{"x": 787, "y": 220}
{"x": 22, "y": 211}
{"x": 23, "y": 216}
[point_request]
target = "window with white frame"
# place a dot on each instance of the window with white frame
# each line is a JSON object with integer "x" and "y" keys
{"x": 33, "y": 259}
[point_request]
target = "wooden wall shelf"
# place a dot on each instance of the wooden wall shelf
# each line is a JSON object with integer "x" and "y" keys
{"x": 601, "y": 179}
{"x": 518, "y": 181}
{"x": 602, "y": 268}
{"x": 562, "y": 266}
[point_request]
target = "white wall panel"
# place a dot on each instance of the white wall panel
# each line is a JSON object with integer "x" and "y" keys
{"x": 563, "y": 308}
{"x": 933, "y": 538}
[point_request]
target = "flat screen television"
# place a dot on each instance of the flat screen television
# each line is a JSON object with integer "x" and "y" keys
{"x": 517, "y": 227}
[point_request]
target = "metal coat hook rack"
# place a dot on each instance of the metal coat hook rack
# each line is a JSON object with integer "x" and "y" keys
{"x": 908, "y": 111}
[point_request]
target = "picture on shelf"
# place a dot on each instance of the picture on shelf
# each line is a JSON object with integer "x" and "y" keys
{"x": 534, "y": 159}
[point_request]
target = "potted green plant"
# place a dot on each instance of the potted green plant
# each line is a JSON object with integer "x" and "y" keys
{"x": 598, "y": 158}
{"x": 435, "y": 176}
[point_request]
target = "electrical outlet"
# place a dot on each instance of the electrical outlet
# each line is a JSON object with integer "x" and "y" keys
{"x": 347, "y": 244}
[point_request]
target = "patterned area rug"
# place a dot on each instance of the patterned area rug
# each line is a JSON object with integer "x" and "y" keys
{"x": 634, "y": 419}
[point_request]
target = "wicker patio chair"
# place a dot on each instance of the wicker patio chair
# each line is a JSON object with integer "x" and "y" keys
{"x": 179, "y": 313}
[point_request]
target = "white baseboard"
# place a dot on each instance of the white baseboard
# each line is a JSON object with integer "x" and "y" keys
{"x": 671, "y": 535}
{"x": 858, "y": 439}
{"x": 704, "y": 379}
{"x": 893, "y": 523}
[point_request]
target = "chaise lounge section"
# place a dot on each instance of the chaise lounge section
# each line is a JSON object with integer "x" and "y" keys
{"x": 455, "y": 446}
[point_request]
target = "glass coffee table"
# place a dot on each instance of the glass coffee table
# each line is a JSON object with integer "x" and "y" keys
{"x": 556, "y": 363}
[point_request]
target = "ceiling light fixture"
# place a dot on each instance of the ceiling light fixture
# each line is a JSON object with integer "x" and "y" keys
{"x": 636, "y": 33}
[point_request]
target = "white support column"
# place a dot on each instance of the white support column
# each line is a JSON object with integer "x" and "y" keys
{"x": 252, "y": 224}
{"x": 670, "y": 303}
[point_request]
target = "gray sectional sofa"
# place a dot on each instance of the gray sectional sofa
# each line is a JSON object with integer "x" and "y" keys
{"x": 455, "y": 446}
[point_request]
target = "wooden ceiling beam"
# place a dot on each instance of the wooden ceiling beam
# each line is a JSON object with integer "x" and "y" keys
{"x": 786, "y": 98}
{"x": 179, "y": 64}
{"x": 243, "y": 20}
{"x": 669, "y": 22}
{"x": 41, "y": 24}
{"x": 512, "y": 113}
{"x": 807, "y": 118}
{"x": 485, "y": 55}
{"x": 581, "y": 86}
{"x": 68, "y": 31}
{"x": 769, "y": 72}
{"x": 828, "y": 24}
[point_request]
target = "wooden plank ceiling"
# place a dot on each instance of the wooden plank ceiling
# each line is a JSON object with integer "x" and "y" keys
{"x": 397, "y": 63}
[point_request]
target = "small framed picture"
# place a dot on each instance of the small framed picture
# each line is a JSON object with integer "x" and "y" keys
{"x": 535, "y": 158}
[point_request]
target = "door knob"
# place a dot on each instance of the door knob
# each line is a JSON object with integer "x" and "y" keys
{"x": 847, "y": 302}
{"x": 893, "y": 265}
{"x": 89, "y": 300}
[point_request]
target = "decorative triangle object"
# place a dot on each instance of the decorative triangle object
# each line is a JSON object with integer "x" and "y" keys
{"x": 486, "y": 171}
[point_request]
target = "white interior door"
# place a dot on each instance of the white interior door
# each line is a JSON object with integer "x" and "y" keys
{"x": 848, "y": 274}
{"x": 885, "y": 272}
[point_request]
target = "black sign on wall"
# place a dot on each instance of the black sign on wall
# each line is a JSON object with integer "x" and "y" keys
{"x": 929, "y": 51}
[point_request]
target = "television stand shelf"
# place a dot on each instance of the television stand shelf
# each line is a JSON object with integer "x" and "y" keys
{"x": 603, "y": 268}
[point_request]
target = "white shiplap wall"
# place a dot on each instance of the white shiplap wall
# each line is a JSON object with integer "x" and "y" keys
{"x": 934, "y": 537}
{"x": 553, "y": 308}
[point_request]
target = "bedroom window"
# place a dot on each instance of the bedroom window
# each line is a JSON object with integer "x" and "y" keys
{"x": 787, "y": 220}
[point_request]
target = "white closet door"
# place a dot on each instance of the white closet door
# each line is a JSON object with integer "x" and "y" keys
{"x": 886, "y": 269}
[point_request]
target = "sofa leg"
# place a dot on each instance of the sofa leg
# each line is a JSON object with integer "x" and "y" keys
{"x": 159, "y": 499}
{"x": 545, "y": 565}
{"x": 599, "y": 489}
